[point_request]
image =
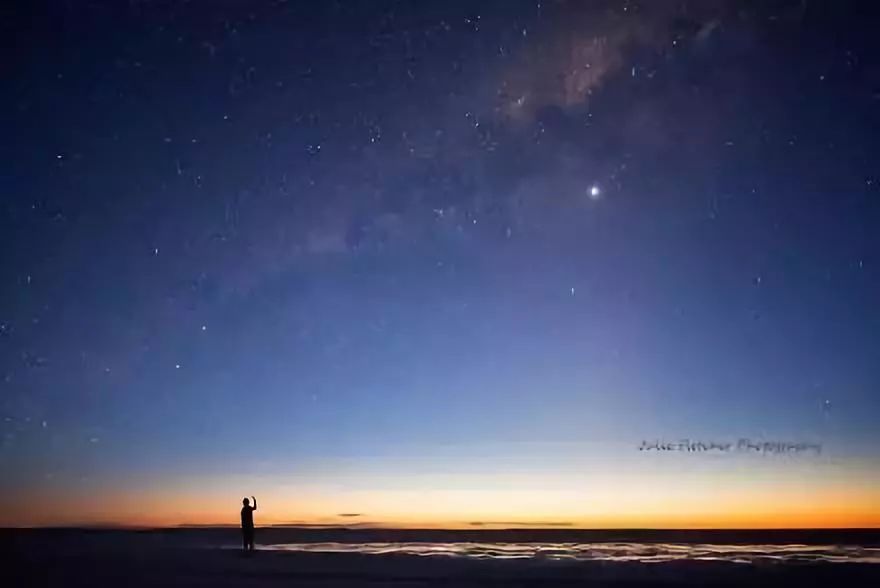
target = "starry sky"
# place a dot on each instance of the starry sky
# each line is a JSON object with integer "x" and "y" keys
{"x": 439, "y": 263}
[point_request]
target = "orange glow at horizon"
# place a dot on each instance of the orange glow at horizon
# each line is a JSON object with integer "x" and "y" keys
{"x": 459, "y": 509}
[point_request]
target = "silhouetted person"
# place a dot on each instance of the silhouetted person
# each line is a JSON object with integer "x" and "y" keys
{"x": 247, "y": 524}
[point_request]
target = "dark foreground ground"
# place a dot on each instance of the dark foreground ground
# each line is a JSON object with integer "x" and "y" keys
{"x": 190, "y": 558}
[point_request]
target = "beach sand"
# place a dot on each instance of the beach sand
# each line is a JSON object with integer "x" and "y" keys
{"x": 208, "y": 558}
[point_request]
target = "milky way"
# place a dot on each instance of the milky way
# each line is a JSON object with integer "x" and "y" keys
{"x": 372, "y": 230}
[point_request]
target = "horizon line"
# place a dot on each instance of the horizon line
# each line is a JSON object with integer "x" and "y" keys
{"x": 468, "y": 527}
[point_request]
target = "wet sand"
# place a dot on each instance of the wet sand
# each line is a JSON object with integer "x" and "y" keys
{"x": 208, "y": 558}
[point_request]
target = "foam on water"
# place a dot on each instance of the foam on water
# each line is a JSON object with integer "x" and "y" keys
{"x": 620, "y": 552}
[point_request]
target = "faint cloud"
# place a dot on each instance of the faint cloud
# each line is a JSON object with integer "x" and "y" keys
{"x": 326, "y": 241}
{"x": 305, "y": 525}
{"x": 519, "y": 524}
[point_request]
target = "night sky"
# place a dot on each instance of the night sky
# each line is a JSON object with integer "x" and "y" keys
{"x": 439, "y": 263}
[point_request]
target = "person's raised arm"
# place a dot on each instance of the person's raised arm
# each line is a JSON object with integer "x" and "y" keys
{"x": 255, "y": 502}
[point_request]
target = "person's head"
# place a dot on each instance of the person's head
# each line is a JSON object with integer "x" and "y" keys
{"x": 245, "y": 502}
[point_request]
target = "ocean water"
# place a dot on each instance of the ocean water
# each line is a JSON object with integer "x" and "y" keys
{"x": 612, "y": 552}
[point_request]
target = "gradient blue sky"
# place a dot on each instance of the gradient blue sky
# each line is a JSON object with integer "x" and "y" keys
{"x": 346, "y": 257}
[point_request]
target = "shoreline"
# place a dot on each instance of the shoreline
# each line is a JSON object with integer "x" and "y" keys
{"x": 212, "y": 557}
{"x": 150, "y": 560}
{"x": 341, "y": 534}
